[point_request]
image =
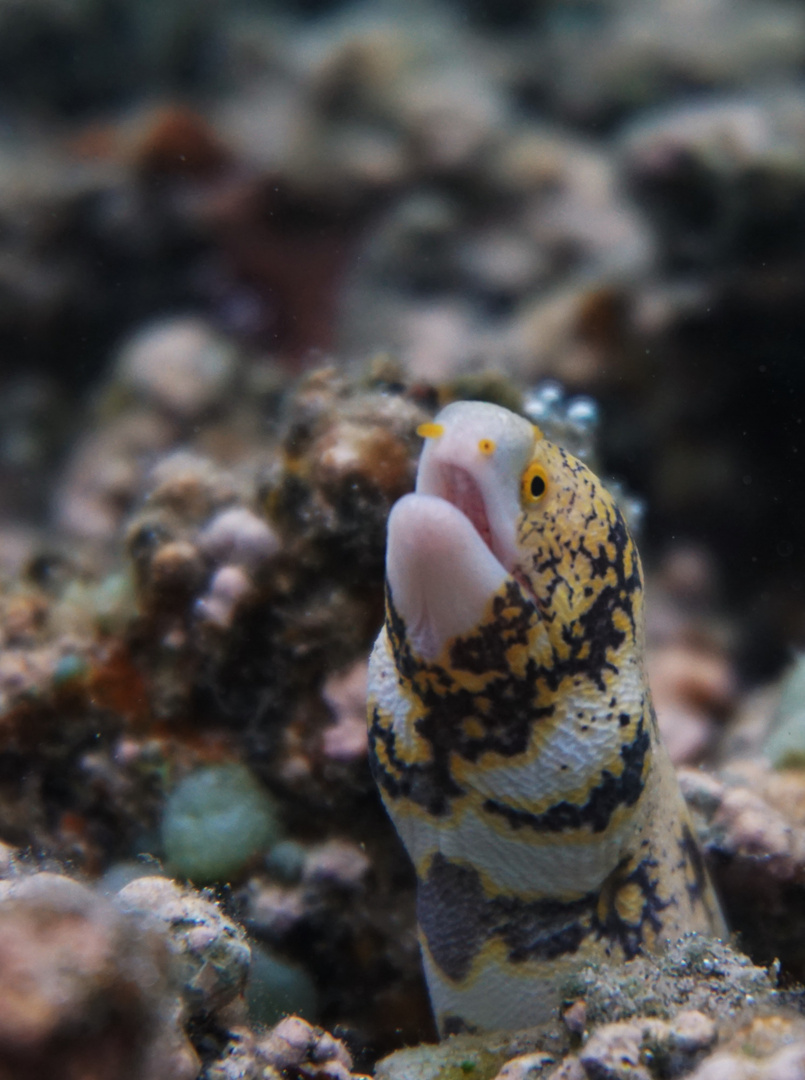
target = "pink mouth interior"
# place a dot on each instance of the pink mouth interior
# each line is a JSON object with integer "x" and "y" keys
{"x": 460, "y": 489}
{"x": 457, "y": 486}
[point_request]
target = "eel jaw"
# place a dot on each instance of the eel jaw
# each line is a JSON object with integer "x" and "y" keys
{"x": 440, "y": 572}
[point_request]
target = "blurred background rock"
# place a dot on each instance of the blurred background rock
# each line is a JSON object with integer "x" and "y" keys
{"x": 245, "y": 248}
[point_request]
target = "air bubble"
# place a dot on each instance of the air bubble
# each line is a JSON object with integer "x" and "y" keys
{"x": 544, "y": 402}
{"x": 583, "y": 412}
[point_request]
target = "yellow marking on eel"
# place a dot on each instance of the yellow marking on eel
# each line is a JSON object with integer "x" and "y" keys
{"x": 430, "y": 431}
{"x": 512, "y": 733}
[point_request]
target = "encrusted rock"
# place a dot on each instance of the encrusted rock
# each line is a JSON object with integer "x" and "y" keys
{"x": 213, "y": 948}
{"x": 190, "y": 486}
{"x": 295, "y": 1047}
{"x": 525, "y": 1067}
{"x": 570, "y": 1069}
{"x": 574, "y": 1017}
{"x": 613, "y": 1053}
{"x": 768, "y": 1048}
{"x": 103, "y": 474}
{"x": 751, "y": 823}
{"x": 294, "y": 1050}
{"x": 239, "y": 536}
{"x": 86, "y": 990}
{"x": 640, "y": 1048}
{"x": 479, "y": 1056}
{"x": 345, "y": 694}
{"x": 240, "y": 1059}
{"x": 696, "y": 973}
{"x": 176, "y": 567}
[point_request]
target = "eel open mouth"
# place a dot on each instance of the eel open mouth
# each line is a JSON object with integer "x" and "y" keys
{"x": 445, "y": 557}
{"x": 452, "y": 544}
{"x": 463, "y": 492}
{"x": 440, "y": 571}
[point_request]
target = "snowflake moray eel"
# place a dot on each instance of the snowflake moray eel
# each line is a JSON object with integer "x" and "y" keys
{"x": 512, "y": 734}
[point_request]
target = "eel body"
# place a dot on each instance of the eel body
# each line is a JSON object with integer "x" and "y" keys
{"x": 512, "y": 733}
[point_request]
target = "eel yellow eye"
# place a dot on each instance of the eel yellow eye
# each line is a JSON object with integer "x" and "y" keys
{"x": 535, "y": 484}
{"x": 486, "y": 446}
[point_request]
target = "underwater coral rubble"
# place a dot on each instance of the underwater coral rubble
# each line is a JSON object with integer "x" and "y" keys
{"x": 201, "y": 701}
{"x": 256, "y": 594}
{"x": 293, "y": 1050}
{"x": 183, "y": 691}
{"x": 148, "y": 982}
{"x": 143, "y": 984}
{"x": 440, "y": 186}
{"x": 212, "y": 948}
{"x": 751, "y": 822}
{"x": 765, "y": 1048}
{"x": 191, "y": 540}
{"x": 192, "y": 704}
{"x": 250, "y": 582}
{"x": 86, "y": 989}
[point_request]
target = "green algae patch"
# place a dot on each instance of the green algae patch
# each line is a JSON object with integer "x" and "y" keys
{"x": 215, "y": 821}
